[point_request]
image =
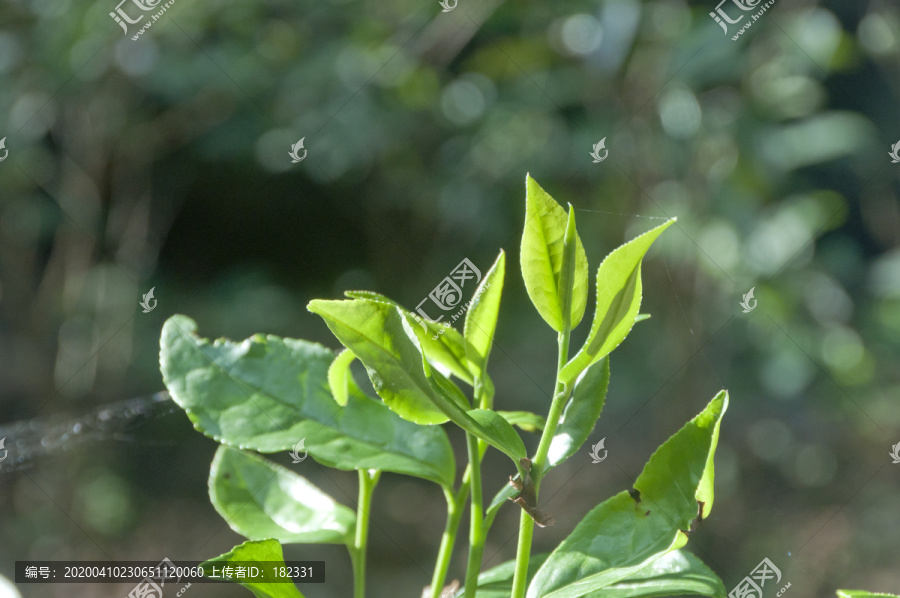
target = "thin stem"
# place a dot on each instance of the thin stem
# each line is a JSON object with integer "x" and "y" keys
{"x": 476, "y": 535}
{"x": 455, "y": 505}
{"x": 526, "y": 523}
{"x": 367, "y": 483}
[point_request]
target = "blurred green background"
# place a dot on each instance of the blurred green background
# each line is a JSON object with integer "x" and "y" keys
{"x": 163, "y": 162}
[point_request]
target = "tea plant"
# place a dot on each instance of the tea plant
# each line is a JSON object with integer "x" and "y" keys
{"x": 264, "y": 394}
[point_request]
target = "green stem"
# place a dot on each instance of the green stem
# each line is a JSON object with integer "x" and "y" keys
{"x": 455, "y": 505}
{"x": 367, "y": 483}
{"x": 526, "y": 523}
{"x": 476, "y": 535}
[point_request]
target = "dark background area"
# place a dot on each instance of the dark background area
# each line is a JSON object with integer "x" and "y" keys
{"x": 163, "y": 163}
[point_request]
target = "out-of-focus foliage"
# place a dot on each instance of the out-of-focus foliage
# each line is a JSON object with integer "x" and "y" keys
{"x": 163, "y": 163}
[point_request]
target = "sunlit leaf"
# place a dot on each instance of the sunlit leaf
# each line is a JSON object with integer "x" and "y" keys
{"x": 481, "y": 318}
{"x": 340, "y": 380}
{"x": 618, "y": 301}
{"x": 375, "y": 332}
{"x": 542, "y": 256}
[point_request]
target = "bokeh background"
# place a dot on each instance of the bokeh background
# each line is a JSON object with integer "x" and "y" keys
{"x": 163, "y": 163}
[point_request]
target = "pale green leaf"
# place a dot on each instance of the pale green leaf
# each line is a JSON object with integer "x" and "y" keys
{"x": 340, "y": 379}
{"x": 481, "y": 318}
{"x": 526, "y": 420}
{"x": 618, "y": 302}
{"x": 542, "y": 255}
{"x": 260, "y": 499}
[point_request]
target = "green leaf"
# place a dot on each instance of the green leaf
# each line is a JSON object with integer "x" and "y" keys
{"x": 627, "y": 533}
{"x": 501, "y": 433}
{"x": 581, "y": 414}
{"x": 676, "y": 573}
{"x": 618, "y": 301}
{"x": 387, "y": 342}
{"x": 374, "y": 331}
{"x": 863, "y": 594}
{"x": 260, "y": 499}
{"x": 481, "y": 318}
{"x": 266, "y": 393}
{"x": 340, "y": 379}
{"x": 542, "y": 257}
{"x": 526, "y": 420}
{"x": 443, "y": 345}
{"x": 264, "y": 550}
{"x": 497, "y": 581}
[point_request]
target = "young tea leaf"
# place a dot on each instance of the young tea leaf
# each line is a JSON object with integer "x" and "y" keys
{"x": 264, "y": 550}
{"x": 618, "y": 301}
{"x": 443, "y": 345}
{"x": 267, "y": 393}
{"x": 481, "y": 319}
{"x": 671, "y": 496}
{"x": 542, "y": 258}
{"x": 375, "y": 332}
{"x": 340, "y": 380}
{"x": 526, "y": 420}
{"x": 260, "y": 499}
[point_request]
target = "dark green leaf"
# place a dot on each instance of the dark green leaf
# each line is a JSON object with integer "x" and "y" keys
{"x": 676, "y": 573}
{"x": 581, "y": 413}
{"x": 264, "y": 550}
{"x": 627, "y": 533}
{"x": 541, "y": 258}
{"x": 618, "y": 301}
{"x": 260, "y": 499}
{"x": 267, "y": 393}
